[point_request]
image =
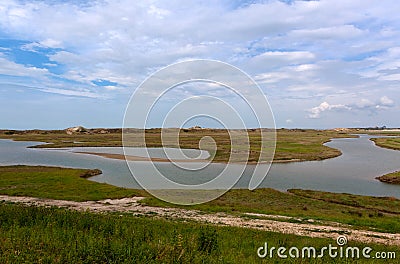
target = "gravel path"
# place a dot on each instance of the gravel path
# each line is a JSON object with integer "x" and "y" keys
{"x": 267, "y": 222}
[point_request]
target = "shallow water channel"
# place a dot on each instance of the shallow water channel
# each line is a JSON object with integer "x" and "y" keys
{"x": 353, "y": 172}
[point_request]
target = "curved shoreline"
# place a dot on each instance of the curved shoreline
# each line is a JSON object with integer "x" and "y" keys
{"x": 390, "y": 178}
{"x": 295, "y": 145}
{"x": 383, "y": 145}
{"x": 139, "y": 158}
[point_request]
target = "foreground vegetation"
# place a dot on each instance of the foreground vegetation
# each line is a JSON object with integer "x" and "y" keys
{"x": 51, "y": 235}
{"x": 57, "y": 183}
{"x": 382, "y": 214}
{"x": 293, "y": 144}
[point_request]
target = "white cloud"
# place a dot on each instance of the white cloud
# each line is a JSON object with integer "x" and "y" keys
{"x": 51, "y": 43}
{"x": 342, "y": 32}
{"x": 290, "y": 56}
{"x": 386, "y": 101}
{"x": 315, "y": 112}
{"x": 158, "y": 12}
{"x": 363, "y": 104}
{"x": 87, "y": 94}
{"x": 111, "y": 88}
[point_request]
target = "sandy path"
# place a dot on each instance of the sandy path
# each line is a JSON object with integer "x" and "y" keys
{"x": 132, "y": 205}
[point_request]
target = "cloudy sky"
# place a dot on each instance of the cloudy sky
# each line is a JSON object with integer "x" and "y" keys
{"x": 321, "y": 64}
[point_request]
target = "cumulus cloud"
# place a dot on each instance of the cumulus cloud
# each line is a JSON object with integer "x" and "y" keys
{"x": 315, "y": 112}
{"x": 382, "y": 103}
{"x": 360, "y": 105}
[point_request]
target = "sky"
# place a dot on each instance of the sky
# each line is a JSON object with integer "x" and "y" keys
{"x": 320, "y": 64}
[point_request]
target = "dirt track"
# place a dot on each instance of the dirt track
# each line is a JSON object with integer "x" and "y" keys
{"x": 267, "y": 222}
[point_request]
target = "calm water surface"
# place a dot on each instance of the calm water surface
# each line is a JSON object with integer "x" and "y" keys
{"x": 353, "y": 172}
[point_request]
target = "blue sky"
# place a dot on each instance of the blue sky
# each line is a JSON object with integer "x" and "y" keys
{"x": 321, "y": 64}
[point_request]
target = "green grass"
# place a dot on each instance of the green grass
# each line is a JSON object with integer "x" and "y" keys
{"x": 390, "y": 143}
{"x": 380, "y": 214}
{"x": 306, "y": 144}
{"x": 57, "y": 183}
{"x": 382, "y": 204}
{"x": 50, "y": 235}
{"x": 293, "y": 144}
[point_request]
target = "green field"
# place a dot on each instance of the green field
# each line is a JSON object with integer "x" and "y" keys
{"x": 57, "y": 183}
{"x": 51, "y": 235}
{"x": 293, "y": 144}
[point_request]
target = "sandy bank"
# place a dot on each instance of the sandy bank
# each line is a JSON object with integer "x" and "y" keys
{"x": 139, "y": 158}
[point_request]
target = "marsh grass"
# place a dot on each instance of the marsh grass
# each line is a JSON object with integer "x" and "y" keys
{"x": 57, "y": 183}
{"x": 391, "y": 178}
{"x": 390, "y": 143}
